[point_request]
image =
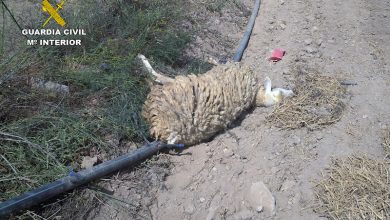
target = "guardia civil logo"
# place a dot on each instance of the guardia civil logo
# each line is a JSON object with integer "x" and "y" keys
{"x": 53, "y": 12}
{"x": 63, "y": 35}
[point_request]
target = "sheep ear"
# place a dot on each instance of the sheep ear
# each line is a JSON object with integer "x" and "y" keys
{"x": 267, "y": 84}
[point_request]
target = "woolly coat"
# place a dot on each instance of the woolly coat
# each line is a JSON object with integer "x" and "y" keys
{"x": 193, "y": 108}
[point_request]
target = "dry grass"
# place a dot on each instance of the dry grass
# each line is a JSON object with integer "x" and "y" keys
{"x": 386, "y": 143}
{"x": 355, "y": 188}
{"x": 318, "y": 102}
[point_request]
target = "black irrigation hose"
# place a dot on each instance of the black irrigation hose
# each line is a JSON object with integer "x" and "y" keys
{"x": 245, "y": 39}
{"x": 74, "y": 180}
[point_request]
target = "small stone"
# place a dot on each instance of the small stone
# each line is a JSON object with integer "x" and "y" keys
{"x": 285, "y": 72}
{"x": 189, "y": 208}
{"x": 88, "y": 162}
{"x": 365, "y": 116}
{"x": 259, "y": 209}
{"x": 282, "y": 25}
{"x": 104, "y": 67}
{"x": 308, "y": 41}
{"x": 260, "y": 195}
{"x": 49, "y": 86}
{"x": 319, "y": 42}
{"x": 202, "y": 199}
{"x": 314, "y": 29}
{"x": 311, "y": 50}
{"x": 228, "y": 152}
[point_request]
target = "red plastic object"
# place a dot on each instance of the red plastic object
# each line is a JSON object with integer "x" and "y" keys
{"x": 277, "y": 54}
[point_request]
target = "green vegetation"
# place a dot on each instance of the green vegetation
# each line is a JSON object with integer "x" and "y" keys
{"x": 42, "y": 133}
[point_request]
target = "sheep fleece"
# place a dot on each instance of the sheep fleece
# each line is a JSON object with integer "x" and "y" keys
{"x": 194, "y": 108}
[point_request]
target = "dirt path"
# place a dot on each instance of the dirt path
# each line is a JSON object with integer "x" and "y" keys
{"x": 349, "y": 39}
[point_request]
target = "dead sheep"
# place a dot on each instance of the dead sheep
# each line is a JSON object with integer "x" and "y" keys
{"x": 193, "y": 108}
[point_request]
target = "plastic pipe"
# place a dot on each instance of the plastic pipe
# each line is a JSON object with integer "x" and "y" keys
{"x": 245, "y": 39}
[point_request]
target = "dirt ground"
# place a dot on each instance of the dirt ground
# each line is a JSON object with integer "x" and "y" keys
{"x": 348, "y": 39}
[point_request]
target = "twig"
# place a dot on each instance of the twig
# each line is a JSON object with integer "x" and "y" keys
{"x": 34, "y": 215}
{"x": 52, "y": 215}
{"x": 348, "y": 83}
{"x": 3, "y": 31}
{"x": 9, "y": 164}
{"x": 12, "y": 16}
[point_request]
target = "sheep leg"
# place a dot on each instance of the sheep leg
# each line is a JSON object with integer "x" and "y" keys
{"x": 159, "y": 78}
{"x": 267, "y": 85}
{"x": 284, "y": 92}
